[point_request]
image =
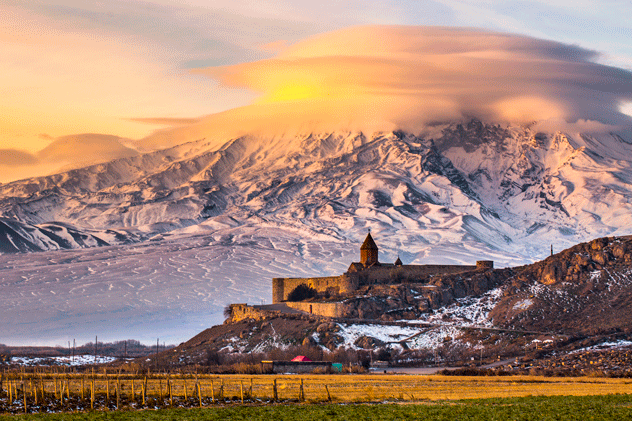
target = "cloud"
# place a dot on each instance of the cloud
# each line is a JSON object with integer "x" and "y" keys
{"x": 16, "y": 158}
{"x": 166, "y": 121}
{"x": 385, "y": 77}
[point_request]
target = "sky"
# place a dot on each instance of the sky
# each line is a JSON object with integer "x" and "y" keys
{"x": 124, "y": 69}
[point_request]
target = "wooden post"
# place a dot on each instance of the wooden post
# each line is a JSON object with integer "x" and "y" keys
{"x": 34, "y": 393}
{"x": 133, "y": 394}
{"x": 212, "y": 392}
{"x": 26, "y": 406}
{"x": 143, "y": 385}
{"x": 221, "y": 389}
{"x": 107, "y": 387}
{"x": 10, "y": 393}
{"x": 186, "y": 398}
{"x": 55, "y": 383}
{"x": 160, "y": 388}
{"x": 170, "y": 392}
{"x": 68, "y": 388}
{"x": 301, "y": 392}
{"x": 83, "y": 386}
{"x": 241, "y": 390}
{"x": 199, "y": 393}
{"x": 43, "y": 388}
{"x": 252, "y": 398}
{"x": 274, "y": 390}
{"x": 118, "y": 397}
{"x": 92, "y": 395}
{"x": 328, "y": 395}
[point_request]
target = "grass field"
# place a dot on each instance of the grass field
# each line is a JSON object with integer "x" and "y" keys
{"x": 602, "y": 407}
{"x": 258, "y": 394}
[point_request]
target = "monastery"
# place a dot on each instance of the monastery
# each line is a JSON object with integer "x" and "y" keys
{"x": 328, "y": 293}
{"x": 369, "y": 270}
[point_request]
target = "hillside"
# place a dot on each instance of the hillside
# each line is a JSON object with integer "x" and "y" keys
{"x": 573, "y": 300}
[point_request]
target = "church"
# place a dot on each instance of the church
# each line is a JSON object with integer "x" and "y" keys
{"x": 368, "y": 271}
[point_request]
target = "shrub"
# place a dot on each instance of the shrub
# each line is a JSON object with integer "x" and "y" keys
{"x": 301, "y": 292}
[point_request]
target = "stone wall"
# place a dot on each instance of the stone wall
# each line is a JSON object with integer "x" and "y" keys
{"x": 406, "y": 273}
{"x": 335, "y": 309}
{"x": 282, "y": 287}
{"x": 244, "y": 311}
{"x": 349, "y": 282}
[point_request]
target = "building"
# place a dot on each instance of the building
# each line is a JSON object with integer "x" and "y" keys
{"x": 369, "y": 270}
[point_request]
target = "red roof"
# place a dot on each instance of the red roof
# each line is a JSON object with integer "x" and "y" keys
{"x": 300, "y": 358}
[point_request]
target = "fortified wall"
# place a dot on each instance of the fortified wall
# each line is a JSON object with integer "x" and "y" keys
{"x": 369, "y": 271}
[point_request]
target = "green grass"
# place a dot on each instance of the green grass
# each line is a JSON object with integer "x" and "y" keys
{"x": 604, "y": 407}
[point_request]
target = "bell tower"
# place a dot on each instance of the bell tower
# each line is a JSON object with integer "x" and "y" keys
{"x": 368, "y": 251}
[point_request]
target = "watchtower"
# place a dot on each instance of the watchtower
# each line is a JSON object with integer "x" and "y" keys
{"x": 368, "y": 252}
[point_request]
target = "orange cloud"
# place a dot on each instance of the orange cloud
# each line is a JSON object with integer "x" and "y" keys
{"x": 406, "y": 77}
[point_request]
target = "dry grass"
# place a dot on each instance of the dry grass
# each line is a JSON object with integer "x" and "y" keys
{"x": 171, "y": 390}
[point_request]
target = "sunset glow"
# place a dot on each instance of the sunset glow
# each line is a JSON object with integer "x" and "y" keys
{"x": 135, "y": 69}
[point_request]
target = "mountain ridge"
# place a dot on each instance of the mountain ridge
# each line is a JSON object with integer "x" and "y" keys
{"x": 496, "y": 185}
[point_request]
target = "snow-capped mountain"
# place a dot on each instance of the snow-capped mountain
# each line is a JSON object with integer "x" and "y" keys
{"x": 186, "y": 230}
{"x": 496, "y": 188}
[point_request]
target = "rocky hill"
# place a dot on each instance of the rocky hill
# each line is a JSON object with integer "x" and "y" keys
{"x": 570, "y": 301}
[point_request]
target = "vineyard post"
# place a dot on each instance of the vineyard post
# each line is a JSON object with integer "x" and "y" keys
{"x": 241, "y": 390}
{"x": 274, "y": 390}
{"x": 92, "y": 395}
{"x": 170, "y": 392}
{"x": 199, "y": 393}
{"x": 301, "y": 395}
{"x": 24, "y": 394}
{"x": 118, "y": 397}
{"x": 212, "y": 392}
{"x": 250, "y": 394}
{"x": 185, "y": 390}
{"x": 10, "y": 393}
{"x": 328, "y": 395}
{"x": 133, "y": 394}
{"x": 142, "y": 390}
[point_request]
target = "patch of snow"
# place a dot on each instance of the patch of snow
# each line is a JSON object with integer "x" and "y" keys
{"x": 79, "y": 360}
{"x": 468, "y": 311}
{"x": 523, "y": 304}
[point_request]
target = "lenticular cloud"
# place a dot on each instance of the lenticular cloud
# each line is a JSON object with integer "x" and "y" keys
{"x": 405, "y": 77}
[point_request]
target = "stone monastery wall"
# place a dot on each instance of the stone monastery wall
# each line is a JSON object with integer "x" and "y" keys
{"x": 282, "y": 287}
{"x": 349, "y": 282}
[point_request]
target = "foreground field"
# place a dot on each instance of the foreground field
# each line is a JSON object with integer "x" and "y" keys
{"x": 609, "y": 407}
{"x": 69, "y": 393}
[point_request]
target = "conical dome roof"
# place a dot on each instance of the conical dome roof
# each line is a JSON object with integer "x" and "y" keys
{"x": 368, "y": 244}
{"x": 398, "y": 262}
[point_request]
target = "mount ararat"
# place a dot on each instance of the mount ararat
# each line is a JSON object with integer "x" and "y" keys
{"x": 211, "y": 220}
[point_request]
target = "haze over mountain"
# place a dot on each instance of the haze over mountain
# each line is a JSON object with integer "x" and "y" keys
{"x": 451, "y": 145}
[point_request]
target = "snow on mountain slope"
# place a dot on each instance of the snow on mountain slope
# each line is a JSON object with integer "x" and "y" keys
{"x": 501, "y": 187}
{"x": 225, "y": 216}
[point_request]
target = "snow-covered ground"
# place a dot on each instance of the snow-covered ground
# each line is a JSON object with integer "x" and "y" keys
{"x": 78, "y": 360}
{"x": 170, "y": 290}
